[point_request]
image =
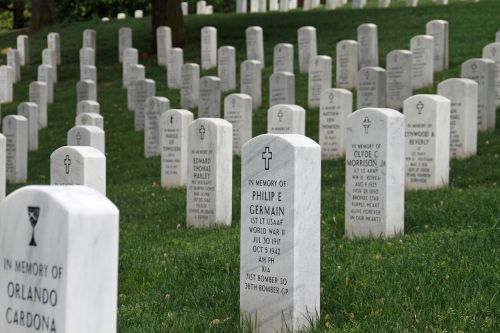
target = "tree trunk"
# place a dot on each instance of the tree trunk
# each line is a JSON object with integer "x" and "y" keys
{"x": 43, "y": 13}
{"x": 168, "y": 13}
{"x": 18, "y": 13}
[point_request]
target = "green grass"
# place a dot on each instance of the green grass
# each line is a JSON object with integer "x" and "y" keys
{"x": 442, "y": 276}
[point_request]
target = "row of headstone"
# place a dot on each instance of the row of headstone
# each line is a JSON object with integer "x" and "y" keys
{"x": 203, "y": 9}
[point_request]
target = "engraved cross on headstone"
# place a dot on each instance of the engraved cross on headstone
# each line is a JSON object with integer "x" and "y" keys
{"x": 78, "y": 138}
{"x": 280, "y": 115}
{"x": 67, "y": 163}
{"x": 267, "y": 155}
{"x": 331, "y": 97}
{"x": 233, "y": 102}
{"x": 171, "y": 119}
{"x": 202, "y": 132}
{"x": 366, "y": 124}
{"x": 474, "y": 67}
{"x": 420, "y": 107}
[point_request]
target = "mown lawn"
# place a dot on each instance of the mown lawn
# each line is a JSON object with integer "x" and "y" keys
{"x": 442, "y": 276}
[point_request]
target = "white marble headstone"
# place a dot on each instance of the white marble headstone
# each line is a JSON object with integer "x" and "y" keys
{"x": 427, "y": 141}
{"x": 439, "y": 30}
{"x": 209, "y": 176}
{"x": 399, "y": 78}
{"x": 124, "y": 41}
{"x": 306, "y": 40}
{"x": 90, "y": 119}
{"x": 143, "y": 90}
{"x": 49, "y": 58}
{"x": 84, "y": 135}
{"x": 135, "y": 73}
{"x": 367, "y": 45}
{"x": 15, "y": 129}
{"x": 130, "y": 57}
{"x": 208, "y": 48}
{"x": 87, "y": 106}
{"x": 29, "y": 110}
{"x": 347, "y": 64}
{"x": 174, "y": 124}
{"x": 24, "y": 49}
{"x": 78, "y": 165}
{"x": 255, "y": 44}
{"x": 280, "y": 233}
{"x": 88, "y": 73}
{"x": 87, "y": 57}
{"x": 251, "y": 81}
{"x": 54, "y": 43}
{"x": 283, "y": 58}
{"x": 6, "y": 84}
{"x": 190, "y": 88}
{"x": 226, "y": 67}
{"x": 241, "y": 6}
{"x": 375, "y": 173}
{"x": 462, "y": 94}
{"x": 371, "y": 88}
{"x": 3, "y": 165}
{"x": 492, "y": 52}
{"x": 86, "y": 90}
{"x": 175, "y": 61}
{"x": 89, "y": 39}
{"x": 238, "y": 111}
{"x": 45, "y": 74}
{"x": 138, "y": 14}
{"x": 320, "y": 78}
{"x": 286, "y": 119}
{"x": 14, "y": 61}
{"x": 335, "y": 107}
{"x": 483, "y": 72}
{"x": 422, "y": 50}
{"x": 59, "y": 244}
{"x": 38, "y": 95}
{"x": 155, "y": 106}
{"x": 163, "y": 44}
{"x": 209, "y": 103}
{"x": 281, "y": 88}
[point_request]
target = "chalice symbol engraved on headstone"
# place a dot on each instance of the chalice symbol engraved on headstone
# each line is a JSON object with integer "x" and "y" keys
{"x": 331, "y": 97}
{"x": 33, "y": 214}
{"x": 202, "y": 132}
{"x": 280, "y": 115}
{"x": 420, "y": 107}
{"x": 366, "y": 124}
{"x": 474, "y": 67}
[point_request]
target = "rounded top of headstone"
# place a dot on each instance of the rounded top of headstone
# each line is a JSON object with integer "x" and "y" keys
{"x": 87, "y": 128}
{"x": 367, "y": 26}
{"x": 253, "y": 28}
{"x": 454, "y": 81}
{"x": 348, "y": 42}
{"x": 208, "y": 28}
{"x": 432, "y": 22}
{"x": 384, "y": 112}
{"x": 336, "y": 91}
{"x": 476, "y": 61}
{"x": 176, "y": 111}
{"x": 307, "y": 28}
{"x": 38, "y": 83}
{"x": 421, "y": 99}
{"x": 239, "y": 96}
{"x": 291, "y": 107}
{"x": 372, "y": 69}
{"x": 210, "y": 78}
{"x": 295, "y": 140}
{"x": 251, "y": 62}
{"x": 227, "y": 47}
{"x": 74, "y": 199}
{"x": 429, "y": 37}
{"x": 83, "y": 151}
{"x": 211, "y": 122}
{"x": 399, "y": 52}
